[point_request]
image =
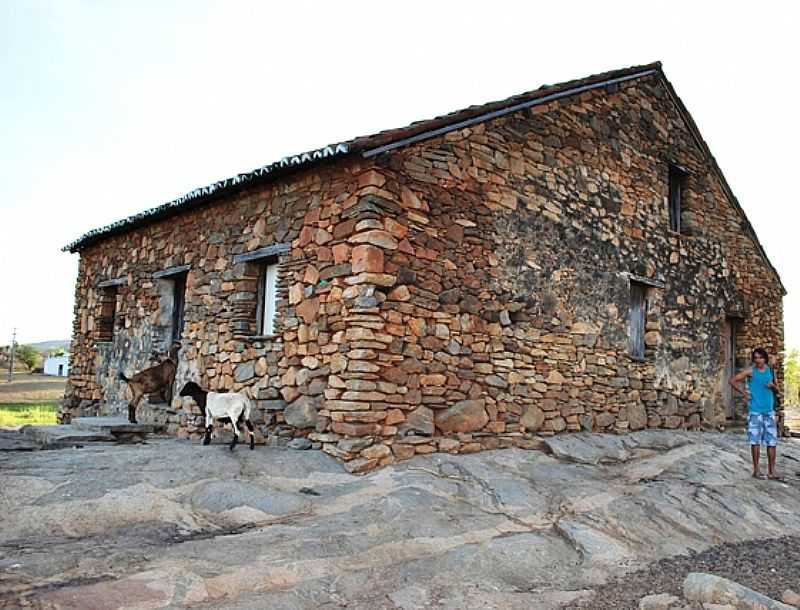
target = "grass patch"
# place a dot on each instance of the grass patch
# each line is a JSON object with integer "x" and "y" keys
{"x": 39, "y": 414}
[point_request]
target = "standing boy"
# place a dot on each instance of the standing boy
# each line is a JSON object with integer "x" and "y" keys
{"x": 761, "y": 419}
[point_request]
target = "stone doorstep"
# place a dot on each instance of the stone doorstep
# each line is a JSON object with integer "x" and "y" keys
{"x": 58, "y": 436}
{"x": 111, "y": 425}
{"x": 87, "y": 430}
{"x": 12, "y": 440}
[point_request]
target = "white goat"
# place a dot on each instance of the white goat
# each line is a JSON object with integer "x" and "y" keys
{"x": 224, "y": 407}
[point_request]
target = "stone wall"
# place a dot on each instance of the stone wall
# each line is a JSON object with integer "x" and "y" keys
{"x": 221, "y": 349}
{"x": 470, "y": 291}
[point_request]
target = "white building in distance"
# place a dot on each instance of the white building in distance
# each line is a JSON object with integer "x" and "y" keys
{"x": 57, "y": 365}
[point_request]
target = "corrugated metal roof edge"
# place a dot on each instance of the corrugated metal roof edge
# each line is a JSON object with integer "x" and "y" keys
{"x": 202, "y": 194}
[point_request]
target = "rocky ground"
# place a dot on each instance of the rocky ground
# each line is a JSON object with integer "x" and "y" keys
{"x": 769, "y": 566}
{"x": 594, "y": 521}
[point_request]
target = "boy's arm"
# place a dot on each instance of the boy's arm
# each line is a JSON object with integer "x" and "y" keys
{"x": 739, "y": 377}
{"x": 773, "y": 385}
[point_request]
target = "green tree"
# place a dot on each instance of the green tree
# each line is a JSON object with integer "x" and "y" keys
{"x": 59, "y": 351}
{"x": 791, "y": 376}
{"x": 28, "y": 356}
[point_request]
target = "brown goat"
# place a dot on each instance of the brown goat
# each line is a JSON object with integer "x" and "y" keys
{"x": 151, "y": 380}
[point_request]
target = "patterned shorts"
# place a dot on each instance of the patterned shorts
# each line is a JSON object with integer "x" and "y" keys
{"x": 762, "y": 429}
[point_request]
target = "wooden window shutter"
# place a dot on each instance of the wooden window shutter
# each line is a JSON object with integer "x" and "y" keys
{"x": 178, "y": 305}
{"x": 677, "y": 186}
{"x": 268, "y": 296}
{"x": 638, "y": 312}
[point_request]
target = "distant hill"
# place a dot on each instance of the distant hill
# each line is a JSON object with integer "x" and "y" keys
{"x": 47, "y": 345}
{"x": 44, "y": 346}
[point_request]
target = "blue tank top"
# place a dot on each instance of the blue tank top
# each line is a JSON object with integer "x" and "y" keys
{"x": 761, "y": 397}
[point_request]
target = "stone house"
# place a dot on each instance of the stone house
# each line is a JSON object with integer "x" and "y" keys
{"x": 568, "y": 259}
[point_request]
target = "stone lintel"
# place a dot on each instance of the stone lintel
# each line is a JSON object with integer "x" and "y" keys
{"x": 120, "y": 281}
{"x": 268, "y": 251}
{"x": 170, "y": 271}
{"x": 648, "y": 281}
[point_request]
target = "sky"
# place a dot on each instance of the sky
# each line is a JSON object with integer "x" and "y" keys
{"x": 109, "y": 108}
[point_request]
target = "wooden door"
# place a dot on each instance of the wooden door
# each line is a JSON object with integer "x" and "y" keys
{"x": 728, "y": 364}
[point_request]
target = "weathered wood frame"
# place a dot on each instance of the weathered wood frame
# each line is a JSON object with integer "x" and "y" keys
{"x": 106, "y": 320}
{"x": 262, "y": 259}
{"x": 637, "y": 319}
{"x": 677, "y": 186}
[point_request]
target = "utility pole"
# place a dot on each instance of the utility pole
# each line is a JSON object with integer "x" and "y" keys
{"x": 13, "y": 347}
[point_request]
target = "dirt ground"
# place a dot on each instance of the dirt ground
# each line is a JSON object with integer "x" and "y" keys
{"x": 27, "y": 387}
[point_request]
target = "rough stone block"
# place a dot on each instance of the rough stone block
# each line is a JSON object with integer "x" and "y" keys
{"x": 464, "y": 416}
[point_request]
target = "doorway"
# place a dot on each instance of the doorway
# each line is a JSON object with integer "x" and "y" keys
{"x": 729, "y": 364}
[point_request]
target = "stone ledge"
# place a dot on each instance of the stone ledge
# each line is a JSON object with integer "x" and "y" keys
{"x": 61, "y": 436}
{"x": 111, "y": 425}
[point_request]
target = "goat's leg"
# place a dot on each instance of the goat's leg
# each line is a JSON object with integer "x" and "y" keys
{"x": 235, "y": 434}
{"x": 209, "y": 427}
{"x": 249, "y": 425}
{"x": 137, "y": 396}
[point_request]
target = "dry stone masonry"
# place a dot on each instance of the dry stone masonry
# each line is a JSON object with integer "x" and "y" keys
{"x": 457, "y": 291}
